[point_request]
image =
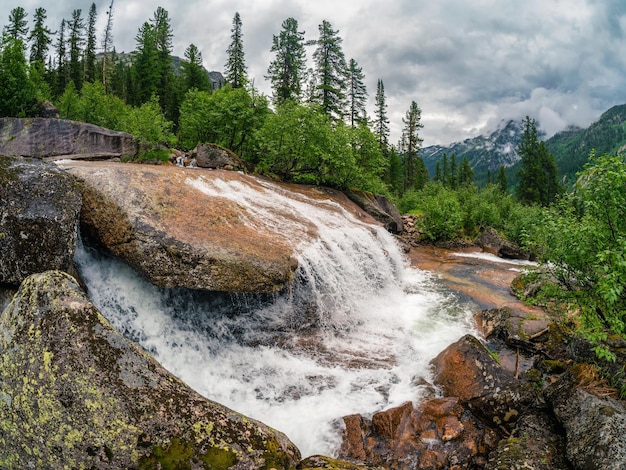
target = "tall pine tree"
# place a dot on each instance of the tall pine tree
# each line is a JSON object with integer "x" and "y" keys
{"x": 235, "y": 69}
{"x": 331, "y": 72}
{"x": 286, "y": 72}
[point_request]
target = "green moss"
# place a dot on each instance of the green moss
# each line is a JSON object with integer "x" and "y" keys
{"x": 176, "y": 456}
{"x": 219, "y": 459}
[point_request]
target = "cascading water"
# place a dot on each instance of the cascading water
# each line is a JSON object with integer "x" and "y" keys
{"x": 353, "y": 334}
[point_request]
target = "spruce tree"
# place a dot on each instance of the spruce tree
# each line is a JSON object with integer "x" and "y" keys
{"x": 76, "y": 40}
{"x": 381, "y": 121}
{"x": 331, "y": 72}
{"x": 166, "y": 88}
{"x": 235, "y": 69}
{"x": 40, "y": 39}
{"x": 107, "y": 46}
{"x": 62, "y": 71}
{"x": 145, "y": 71}
{"x": 357, "y": 94}
{"x": 90, "y": 47}
{"x": 466, "y": 173}
{"x": 502, "y": 180}
{"x": 416, "y": 173}
{"x": 194, "y": 75}
{"x": 286, "y": 72}
{"x": 538, "y": 183}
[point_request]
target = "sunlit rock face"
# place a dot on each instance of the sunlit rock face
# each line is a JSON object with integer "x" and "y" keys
{"x": 74, "y": 393}
{"x": 201, "y": 229}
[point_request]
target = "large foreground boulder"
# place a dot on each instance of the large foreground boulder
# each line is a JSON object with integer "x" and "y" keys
{"x": 74, "y": 393}
{"x": 61, "y": 138}
{"x": 198, "y": 229}
{"x": 39, "y": 211}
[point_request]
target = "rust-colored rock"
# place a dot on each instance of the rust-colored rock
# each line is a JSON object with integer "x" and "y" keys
{"x": 466, "y": 370}
{"x": 437, "y": 434}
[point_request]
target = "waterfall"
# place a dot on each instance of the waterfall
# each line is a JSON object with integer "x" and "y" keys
{"x": 354, "y": 333}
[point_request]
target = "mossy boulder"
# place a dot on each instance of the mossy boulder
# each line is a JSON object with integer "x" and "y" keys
{"x": 74, "y": 393}
{"x": 39, "y": 212}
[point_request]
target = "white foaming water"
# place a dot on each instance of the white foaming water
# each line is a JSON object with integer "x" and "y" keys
{"x": 354, "y": 334}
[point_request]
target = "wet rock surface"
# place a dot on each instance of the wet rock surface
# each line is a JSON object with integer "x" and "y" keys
{"x": 75, "y": 394}
{"x": 39, "y": 209}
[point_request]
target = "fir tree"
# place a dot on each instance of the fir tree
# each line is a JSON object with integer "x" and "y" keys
{"x": 17, "y": 94}
{"x": 40, "y": 39}
{"x": 235, "y": 68}
{"x": 145, "y": 71}
{"x": 466, "y": 173}
{"x": 90, "y": 47}
{"x": 381, "y": 121}
{"x": 194, "y": 74}
{"x": 357, "y": 94}
{"x": 502, "y": 180}
{"x": 62, "y": 71}
{"x": 538, "y": 183}
{"x": 107, "y": 43}
{"x": 416, "y": 174}
{"x": 76, "y": 40}
{"x": 286, "y": 72}
{"x": 331, "y": 71}
{"x": 166, "y": 89}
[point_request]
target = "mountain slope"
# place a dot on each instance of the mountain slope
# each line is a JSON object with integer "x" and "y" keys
{"x": 570, "y": 148}
{"x": 485, "y": 153}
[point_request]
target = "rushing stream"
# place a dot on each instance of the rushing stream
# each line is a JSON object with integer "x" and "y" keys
{"x": 353, "y": 334}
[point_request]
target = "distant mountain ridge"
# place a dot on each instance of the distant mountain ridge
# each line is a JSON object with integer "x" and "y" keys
{"x": 485, "y": 153}
{"x": 570, "y": 147}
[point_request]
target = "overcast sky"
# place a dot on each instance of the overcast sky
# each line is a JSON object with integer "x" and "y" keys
{"x": 469, "y": 64}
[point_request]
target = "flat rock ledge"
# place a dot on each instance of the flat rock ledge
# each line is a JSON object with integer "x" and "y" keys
{"x": 74, "y": 393}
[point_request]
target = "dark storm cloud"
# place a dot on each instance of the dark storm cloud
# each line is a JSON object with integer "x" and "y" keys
{"x": 469, "y": 65}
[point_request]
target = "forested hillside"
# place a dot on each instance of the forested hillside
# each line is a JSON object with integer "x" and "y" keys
{"x": 571, "y": 148}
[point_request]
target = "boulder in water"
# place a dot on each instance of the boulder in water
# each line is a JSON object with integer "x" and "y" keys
{"x": 74, "y": 393}
{"x": 39, "y": 212}
{"x": 379, "y": 207}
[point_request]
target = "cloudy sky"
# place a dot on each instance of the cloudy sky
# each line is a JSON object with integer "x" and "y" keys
{"x": 469, "y": 65}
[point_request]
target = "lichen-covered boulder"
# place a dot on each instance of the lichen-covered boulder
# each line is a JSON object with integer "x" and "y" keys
{"x": 75, "y": 394}
{"x": 535, "y": 443}
{"x": 595, "y": 426}
{"x": 39, "y": 213}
